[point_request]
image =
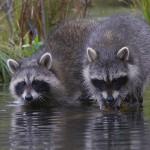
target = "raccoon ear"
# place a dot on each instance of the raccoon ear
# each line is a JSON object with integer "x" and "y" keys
{"x": 92, "y": 54}
{"x": 12, "y": 65}
{"x": 46, "y": 60}
{"x": 123, "y": 54}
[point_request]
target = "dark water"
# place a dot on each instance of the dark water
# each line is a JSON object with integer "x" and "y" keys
{"x": 72, "y": 128}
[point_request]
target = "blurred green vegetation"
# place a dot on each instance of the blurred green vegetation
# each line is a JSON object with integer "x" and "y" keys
{"x": 25, "y": 24}
{"x": 142, "y": 7}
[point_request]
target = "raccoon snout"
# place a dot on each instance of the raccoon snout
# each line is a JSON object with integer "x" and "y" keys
{"x": 110, "y": 99}
{"x": 29, "y": 97}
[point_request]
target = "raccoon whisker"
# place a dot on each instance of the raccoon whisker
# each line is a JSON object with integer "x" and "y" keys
{"x": 46, "y": 97}
{"x": 117, "y": 103}
{"x": 43, "y": 98}
{"x": 23, "y": 100}
{"x": 40, "y": 99}
{"x": 52, "y": 101}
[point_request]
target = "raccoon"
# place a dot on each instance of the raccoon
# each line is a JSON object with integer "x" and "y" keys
{"x": 117, "y": 64}
{"x": 33, "y": 84}
{"x": 55, "y": 72}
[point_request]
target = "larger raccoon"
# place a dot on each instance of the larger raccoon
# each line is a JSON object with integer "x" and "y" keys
{"x": 117, "y": 64}
{"x": 57, "y": 78}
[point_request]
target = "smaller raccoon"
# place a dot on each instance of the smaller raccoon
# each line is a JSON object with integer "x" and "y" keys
{"x": 117, "y": 64}
{"x": 33, "y": 82}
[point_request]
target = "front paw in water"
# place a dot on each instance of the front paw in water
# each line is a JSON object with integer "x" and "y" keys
{"x": 133, "y": 101}
{"x": 135, "y": 104}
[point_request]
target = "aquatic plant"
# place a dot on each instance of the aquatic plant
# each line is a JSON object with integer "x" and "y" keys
{"x": 142, "y": 7}
{"x": 30, "y": 48}
{"x": 7, "y": 50}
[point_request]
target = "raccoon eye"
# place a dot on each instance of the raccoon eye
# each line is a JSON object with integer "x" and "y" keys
{"x": 40, "y": 86}
{"x": 23, "y": 83}
{"x": 100, "y": 84}
{"x": 119, "y": 82}
{"x": 19, "y": 88}
{"x": 35, "y": 82}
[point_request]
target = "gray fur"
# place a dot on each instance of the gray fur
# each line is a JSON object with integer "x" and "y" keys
{"x": 66, "y": 47}
{"x": 107, "y": 39}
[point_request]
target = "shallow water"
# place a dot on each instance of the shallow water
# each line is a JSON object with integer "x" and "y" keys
{"x": 72, "y": 128}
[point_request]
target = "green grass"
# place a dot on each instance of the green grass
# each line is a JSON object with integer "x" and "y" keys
{"x": 145, "y": 5}
{"x": 29, "y": 49}
{"x": 106, "y": 11}
{"x": 142, "y": 7}
{"x": 16, "y": 41}
{"x": 7, "y": 50}
{"x": 3, "y": 68}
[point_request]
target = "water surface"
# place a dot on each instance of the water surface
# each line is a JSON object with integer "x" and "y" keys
{"x": 72, "y": 128}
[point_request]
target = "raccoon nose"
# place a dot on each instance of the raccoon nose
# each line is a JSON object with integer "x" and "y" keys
{"x": 110, "y": 99}
{"x": 29, "y": 97}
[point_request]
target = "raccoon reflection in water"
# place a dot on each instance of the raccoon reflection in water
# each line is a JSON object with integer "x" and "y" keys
{"x": 118, "y": 62}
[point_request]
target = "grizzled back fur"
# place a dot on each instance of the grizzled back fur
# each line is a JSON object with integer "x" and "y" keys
{"x": 66, "y": 45}
{"x": 117, "y": 63}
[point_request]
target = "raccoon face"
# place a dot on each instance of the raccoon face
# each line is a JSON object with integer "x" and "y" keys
{"x": 30, "y": 90}
{"x": 106, "y": 79}
{"x": 31, "y": 83}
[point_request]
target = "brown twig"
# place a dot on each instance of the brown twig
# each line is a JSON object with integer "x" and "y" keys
{"x": 43, "y": 18}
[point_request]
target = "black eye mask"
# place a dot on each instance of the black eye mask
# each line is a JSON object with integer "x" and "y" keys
{"x": 20, "y": 88}
{"x": 40, "y": 86}
{"x": 119, "y": 82}
{"x": 115, "y": 84}
{"x": 100, "y": 84}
